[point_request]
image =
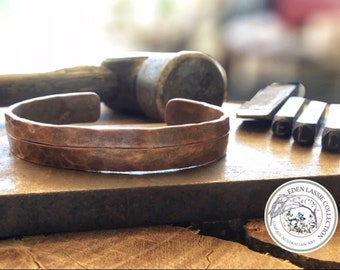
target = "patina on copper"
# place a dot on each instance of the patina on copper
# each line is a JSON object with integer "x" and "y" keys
{"x": 42, "y": 131}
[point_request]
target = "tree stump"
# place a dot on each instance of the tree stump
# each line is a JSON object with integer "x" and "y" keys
{"x": 145, "y": 247}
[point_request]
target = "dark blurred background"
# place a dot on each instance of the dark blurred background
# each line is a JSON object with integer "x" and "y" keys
{"x": 257, "y": 41}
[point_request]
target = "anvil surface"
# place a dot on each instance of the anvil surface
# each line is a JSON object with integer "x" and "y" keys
{"x": 36, "y": 199}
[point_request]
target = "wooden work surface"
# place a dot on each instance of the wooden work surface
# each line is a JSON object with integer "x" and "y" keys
{"x": 36, "y": 199}
{"x": 159, "y": 247}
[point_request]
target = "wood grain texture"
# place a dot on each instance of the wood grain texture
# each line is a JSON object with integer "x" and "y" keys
{"x": 162, "y": 247}
{"x": 18, "y": 87}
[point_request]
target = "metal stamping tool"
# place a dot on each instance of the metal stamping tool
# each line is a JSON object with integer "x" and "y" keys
{"x": 283, "y": 121}
{"x": 331, "y": 133}
{"x": 269, "y": 100}
{"x": 307, "y": 125}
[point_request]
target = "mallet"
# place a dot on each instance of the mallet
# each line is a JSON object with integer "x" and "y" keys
{"x": 139, "y": 84}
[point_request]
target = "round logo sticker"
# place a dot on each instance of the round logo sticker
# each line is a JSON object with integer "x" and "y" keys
{"x": 301, "y": 216}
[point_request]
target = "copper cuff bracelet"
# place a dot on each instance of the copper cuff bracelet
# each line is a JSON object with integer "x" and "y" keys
{"x": 40, "y": 130}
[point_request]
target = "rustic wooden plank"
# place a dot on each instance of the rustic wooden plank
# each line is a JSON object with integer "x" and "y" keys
{"x": 257, "y": 238}
{"x": 162, "y": 247}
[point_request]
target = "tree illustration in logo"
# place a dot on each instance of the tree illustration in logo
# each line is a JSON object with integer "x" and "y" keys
{"x": 298, "y": 214}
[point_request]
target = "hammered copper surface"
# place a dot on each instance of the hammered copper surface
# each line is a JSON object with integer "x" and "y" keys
{"x": 121, "y": 159}
{"x": 199, "y": 135}
{"x": 180, "y": 130}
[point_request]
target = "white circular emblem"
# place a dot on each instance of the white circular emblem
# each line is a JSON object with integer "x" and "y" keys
{"x": 301, "y": 216}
